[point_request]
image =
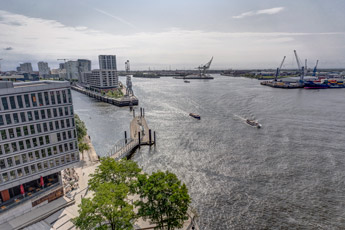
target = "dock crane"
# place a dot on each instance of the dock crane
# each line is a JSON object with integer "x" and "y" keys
{"x": 278, "y": 69}
{"x": 202, "y": 68}
{"x": 315, "y": 68}
{"x": 300, "y": 68}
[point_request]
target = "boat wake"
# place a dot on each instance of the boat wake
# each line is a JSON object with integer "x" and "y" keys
{"x": 249, "y": 122}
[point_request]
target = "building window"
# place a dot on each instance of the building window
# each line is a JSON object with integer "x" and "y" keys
{"x": 31, "y": 156}
{"x": 37, "y": 116}
{"x": 49, "y": 113}
{"x": 3, "y": 134}
{"x": 34, "y": 141}
{"x": 69, "y": 134}
{"x": 62, "y": 160}
{"x": 2, "y": 164}
{"x": 33, "y": 168}
{"x": 60, "y": 112}
{"x": 20, "y": 101}
{"x": 27, "y": 101}
{"x": 46, "y": 98}
{"x": 16, "y": 118}
{"x": 58, "y": 136}
{"x": 13, "y": 175}
{"x": 11, "y": 133}
{"x": 55, "y": 112}
{"x": 52, "y": 97}
{"x": 32, "y": 129}
{"x": 64, "y": 136}
{"x": 12, "y": 102}
{"x": 38, "y": 126}
{"x": 67, "y": 159}
{"x": 43, "y": 114}
{"x": 47, "y": 140}
{"x": 66, "y": 147}
{"x": 14, "y": 146}
{"x": 9, "y": 162}
{"x": 40, "y": 99}
{"x": 26, "y": 170}
{"x": 51, "y": 164}
{"x": 37, "y": 155}
{"x": 45, "y": 127}
{"x": 28, "y": 143}
{"x": 58, "y": 97}
{"x": 39, "y": 167}
{"x": 30, "y": 116}
{"x": 64, "y": 96}
{"x": 73, "y": 156}
{"x": 51, "y": 126}
{"x": 19, "y": 132}
{"x": 57, "y": 125}
{"x": 49, "y": 151}
{"x": 26, "y": 131}
{"x": 55, "y": 150}
{"x": 43, "y": 153}
{"x": 17, "y": 160}
{"x": 41, "y": 140}
{"x": 0, "y": 150}
{"x": 68, "y": 123}
{"x": 57, "y": 161}
{"x": 1, "y": 120}
{"x": 45, "y": 164}
{"x": 33, "y": 99}
{"x": 24, "y": 158}
{"x": 22, "y": 116}
{"x": 60, "y": 149}
{"x": 7, "y": 148}
{"x": 5, "y": 177}
{"x": 8, "y": 119}
{"x": 4, "y": 103}
{"x": 21, "y": 145}
{"x": 19, "y": 172}
{"x": 66, "y": 111}
{"x": 71, "y": 146}
{"x": 62, "y": 124}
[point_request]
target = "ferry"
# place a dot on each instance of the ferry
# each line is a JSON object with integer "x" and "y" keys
{"x": 253, "y": 123}
{"x": 196, "y": 116}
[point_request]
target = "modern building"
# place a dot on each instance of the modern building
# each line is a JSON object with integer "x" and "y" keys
{"x": 43, "y": 69}
{"x": 72, "y": 70}
{"x": 84, "y": 65}
{"x": 101, "y": 79}
{"x": 107, "y": 62}
{"x": 37, "y": 140}
{"x": 26, "y": 67}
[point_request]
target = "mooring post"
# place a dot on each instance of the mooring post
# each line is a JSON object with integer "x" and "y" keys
{"x": 143, "y": 112}
{"x": 150, "y": 139}
{"x": 125, "y": 137}
{"x": 139, "y": 138}
{"x": 154, "y": 137}
{"x": 133, "y": 112}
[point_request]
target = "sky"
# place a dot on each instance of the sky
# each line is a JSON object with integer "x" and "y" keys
{"x": 179, "y": 34}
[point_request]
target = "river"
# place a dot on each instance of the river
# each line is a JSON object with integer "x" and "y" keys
{"x": 289, "y": 174}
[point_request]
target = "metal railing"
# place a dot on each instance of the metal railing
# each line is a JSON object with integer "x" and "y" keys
{"x": 122, "y": 148}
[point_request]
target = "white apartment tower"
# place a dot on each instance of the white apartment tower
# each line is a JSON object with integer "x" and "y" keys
{"x": 107, "y": 62}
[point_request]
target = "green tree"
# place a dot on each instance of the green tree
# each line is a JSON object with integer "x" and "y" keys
{"x": 116, "y": 172}
{"x": 81, "y": 133}
{"x": 106, "y": 210}
{"x": 163, "y": 200}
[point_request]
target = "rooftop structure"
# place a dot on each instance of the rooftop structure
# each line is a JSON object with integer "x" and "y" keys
{"x": 107, "y": 62}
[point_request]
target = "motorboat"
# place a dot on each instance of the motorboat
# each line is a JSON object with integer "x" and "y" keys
{"x": 196, "y": 116}
{"x": 253, "y": 123}
{"x": 185, "y": 81}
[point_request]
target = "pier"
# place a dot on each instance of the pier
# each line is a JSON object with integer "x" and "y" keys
{"x": 124, "y": 101}
{"x": 140, "y": 134}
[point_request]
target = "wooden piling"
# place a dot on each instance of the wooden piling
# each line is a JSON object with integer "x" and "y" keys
{"x": 154, "y": 137}
{"x": 125, "y": 137}
{"x": 150, "y": 138}
{"x": 139, "y": 138}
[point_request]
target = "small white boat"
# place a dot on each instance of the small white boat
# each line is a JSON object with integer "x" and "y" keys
{"x": 196, "y": 116}
{"x": 253, "y": 123}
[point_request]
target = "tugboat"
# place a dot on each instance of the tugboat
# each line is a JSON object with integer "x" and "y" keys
{"x": 196, "y": 116}
{"x": 253, "y": 123}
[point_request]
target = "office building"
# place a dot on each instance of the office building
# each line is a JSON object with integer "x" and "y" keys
{"x": 72, "y": 70}
{"x": 107, "y": 62}
{"x": 37, "y": 140}
{"x": 43, "y": 69}
{"x": 84, "y": 65}
{"x": 101, "y": 80}
{"x": 26, "y": 67}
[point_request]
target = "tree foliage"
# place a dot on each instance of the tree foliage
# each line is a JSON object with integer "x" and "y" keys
{"x": 107, "y": 209}
{"x": 81, "y": 128}
{"x": 163, "y": 200}
{"x": 116, "y": 93}
{"x": 116, "y": 172}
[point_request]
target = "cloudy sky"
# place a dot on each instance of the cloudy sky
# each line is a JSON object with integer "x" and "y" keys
{"x": 183, "y": 34}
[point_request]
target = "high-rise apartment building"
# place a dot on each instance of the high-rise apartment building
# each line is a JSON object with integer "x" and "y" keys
{"x": 107, "y": 62}
{"x": 72, "y": 70}
{"x": 101, "y": 79}
{"x": 37, "y": 140}
{"x": 26, "y": 67}
{"x": 43, "y": 69}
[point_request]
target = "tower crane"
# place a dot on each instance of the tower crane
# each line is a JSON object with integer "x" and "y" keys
{"x": 300, "y": 68}
{"x": 278, "y": 69}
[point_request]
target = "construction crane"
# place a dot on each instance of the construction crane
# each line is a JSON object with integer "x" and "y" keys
{"x": 203, "y": 68}
{"x": 315, "y": 68}
{"x": 300, "y": 68}
{"x": 278, "y": 69}
{"x": 63, "y": 59}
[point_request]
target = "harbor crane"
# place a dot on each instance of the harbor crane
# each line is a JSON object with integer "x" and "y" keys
{"x": 128, "y": 69}
{"x": 203, "y": 68}
{"x": 278, "y": 69}
{"x": 300, "y": 68}
{"x": 305, "y": 67}
{"x": 315, "y": 68}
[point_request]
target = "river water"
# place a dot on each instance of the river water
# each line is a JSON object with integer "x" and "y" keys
{"x": 288, "y": 175}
